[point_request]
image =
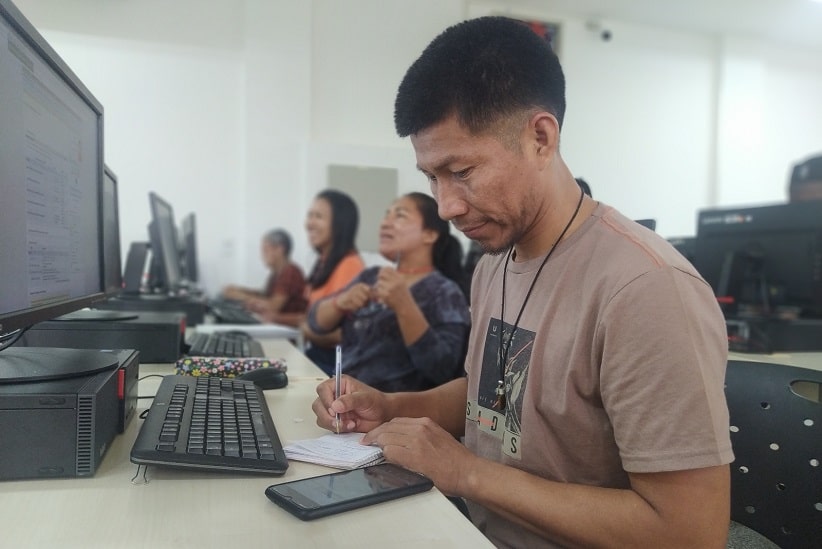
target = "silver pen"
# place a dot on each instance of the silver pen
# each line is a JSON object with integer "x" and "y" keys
{"x": 337, "y": 376}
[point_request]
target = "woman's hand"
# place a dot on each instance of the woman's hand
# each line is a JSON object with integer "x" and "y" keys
{"x": 391, "y": 288}
{"x": 353, "y": 299}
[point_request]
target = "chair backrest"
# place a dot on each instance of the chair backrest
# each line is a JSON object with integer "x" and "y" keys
{"x": 776, "y": 433}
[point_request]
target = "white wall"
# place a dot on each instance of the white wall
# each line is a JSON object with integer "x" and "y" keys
{"x": 172, "y": 128}
{"x": 248, "y": 102}
{"x": 277, "y": 118}
{"x": 770, "y": 117}
{"x": 634, "y": 106}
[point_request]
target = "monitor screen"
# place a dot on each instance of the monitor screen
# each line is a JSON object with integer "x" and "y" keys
{"x": 163, "y": 235}
{"x": 188, "y": 247}
{"x": 684, "y": 245}
{"x": 113, "y": 272}
{"x": 51, "y": 173}
{"x": 51, "y": 177}
{"x": 765, "y": 260}
{"x": 647, "y": 223}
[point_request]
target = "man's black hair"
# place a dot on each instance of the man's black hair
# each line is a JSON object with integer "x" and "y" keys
{"x": 806, "y": 171}
{"x": 482, "y": 70}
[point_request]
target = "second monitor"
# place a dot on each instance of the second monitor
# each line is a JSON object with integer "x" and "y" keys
{"x": 163, "y": 236}
{"x": 763, "y": 261}
{"x": 173, "y": 263}
{"x": 188, "y": 248}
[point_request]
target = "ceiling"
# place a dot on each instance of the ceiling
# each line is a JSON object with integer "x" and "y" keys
{"x": 789, "y": 22}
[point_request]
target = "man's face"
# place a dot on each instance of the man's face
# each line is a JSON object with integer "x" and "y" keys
{"x": 485, "y": 188}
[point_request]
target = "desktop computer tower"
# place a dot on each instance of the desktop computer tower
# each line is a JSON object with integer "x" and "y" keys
{"x": 58, "y": 428}
{"x": 193, "y": 306}
{"x": 158, "y": 336}
{"x": 127, "y": 378}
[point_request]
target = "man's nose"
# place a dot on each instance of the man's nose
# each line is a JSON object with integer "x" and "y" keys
{"x": 449, "y": 203}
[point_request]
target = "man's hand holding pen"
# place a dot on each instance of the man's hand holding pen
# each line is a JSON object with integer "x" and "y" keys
{"x": 360, "y": 407}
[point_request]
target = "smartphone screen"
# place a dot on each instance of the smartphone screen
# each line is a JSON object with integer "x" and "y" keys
{"x": 324, "y": 495}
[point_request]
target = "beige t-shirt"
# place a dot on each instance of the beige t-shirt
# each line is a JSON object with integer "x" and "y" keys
{"x": 617, "y": 364}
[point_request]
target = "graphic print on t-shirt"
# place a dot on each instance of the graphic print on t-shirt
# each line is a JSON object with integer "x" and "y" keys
{"x": 516, "y": 378}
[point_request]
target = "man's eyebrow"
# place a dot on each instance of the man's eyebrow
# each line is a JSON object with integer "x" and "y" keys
{"x": 441, "y": 165}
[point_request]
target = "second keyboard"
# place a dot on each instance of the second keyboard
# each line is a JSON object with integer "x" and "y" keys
{"x": 224, "y": 344}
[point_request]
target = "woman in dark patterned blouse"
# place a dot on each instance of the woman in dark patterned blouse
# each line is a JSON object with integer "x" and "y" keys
{"x": 404, "y": 328}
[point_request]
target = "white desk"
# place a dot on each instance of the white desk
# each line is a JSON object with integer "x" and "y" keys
{"x": 182, "y": 509}
{"x": 810, "y": 360}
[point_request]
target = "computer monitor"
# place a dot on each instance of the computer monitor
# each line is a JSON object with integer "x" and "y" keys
{"x": 112, "y": 262}
{"x": 763, "y": 261}
{"x": 51, "y": 177}
{"x": 112, "y": 270}
{"x": 188, "y": 248}
{"x": 647, "y": 223}
{"x": 163, "y": 236}
{"x": 685, "y": 245}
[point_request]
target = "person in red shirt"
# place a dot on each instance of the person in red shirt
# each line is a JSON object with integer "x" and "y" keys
{"x": 284, "y": 293}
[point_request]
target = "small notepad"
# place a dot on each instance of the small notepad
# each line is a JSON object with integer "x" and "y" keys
{"x": 342, "y": 451}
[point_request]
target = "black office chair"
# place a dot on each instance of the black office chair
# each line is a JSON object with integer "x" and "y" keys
{"x": 776, "y": 433}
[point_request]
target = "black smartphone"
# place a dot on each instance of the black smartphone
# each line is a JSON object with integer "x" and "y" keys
{"x": 316, "y": 497}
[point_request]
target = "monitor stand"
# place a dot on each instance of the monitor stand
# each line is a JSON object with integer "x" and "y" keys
{"x": 28, "y": 364}
{"x": 97, "y": 314}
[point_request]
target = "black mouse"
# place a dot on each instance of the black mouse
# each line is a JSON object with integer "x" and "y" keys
{"x": 266, "y": 378}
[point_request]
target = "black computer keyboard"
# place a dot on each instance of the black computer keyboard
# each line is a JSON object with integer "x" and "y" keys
{"x": 230, "y": 312}
{"x": 214, "y": 423}
{"x": 224, "y": 344}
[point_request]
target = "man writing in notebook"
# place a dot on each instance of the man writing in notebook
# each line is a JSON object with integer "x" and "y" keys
{"x": 593, "y": 411}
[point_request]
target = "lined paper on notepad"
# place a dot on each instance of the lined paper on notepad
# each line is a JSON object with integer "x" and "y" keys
{"x": 339, "y": 451}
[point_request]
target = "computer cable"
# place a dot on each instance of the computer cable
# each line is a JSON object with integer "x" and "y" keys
{"x": 11, "y": 338}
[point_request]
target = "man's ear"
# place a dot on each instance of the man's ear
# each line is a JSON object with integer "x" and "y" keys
{"x": 545, "y": 134}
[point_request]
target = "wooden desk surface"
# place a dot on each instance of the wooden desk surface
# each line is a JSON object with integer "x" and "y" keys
{"x": 183, "y": 509}
{"x": 810, "y": 360}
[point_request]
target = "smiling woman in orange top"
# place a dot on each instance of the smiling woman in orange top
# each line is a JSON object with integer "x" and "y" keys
{"x": 331, "y": 225}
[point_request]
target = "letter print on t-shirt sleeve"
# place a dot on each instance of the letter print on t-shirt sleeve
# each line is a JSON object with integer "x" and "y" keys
{"x": 516, "y": 378}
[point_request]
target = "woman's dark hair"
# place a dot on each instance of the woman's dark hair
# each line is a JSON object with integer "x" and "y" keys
{"x": 447, "y": 252}
{"x": 345, "y": 219}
